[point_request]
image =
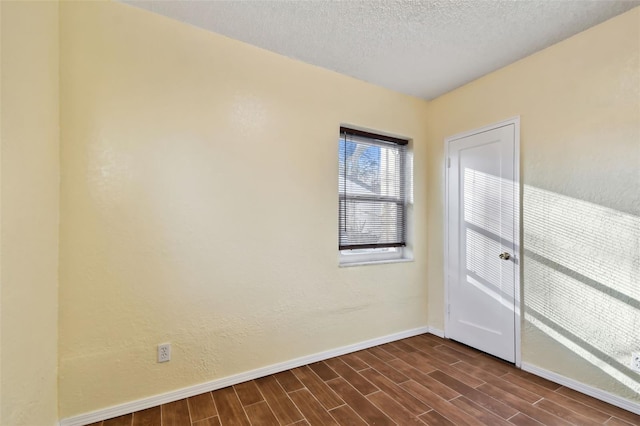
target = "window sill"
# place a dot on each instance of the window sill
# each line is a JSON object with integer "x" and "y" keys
{"x": 374, "y": 262}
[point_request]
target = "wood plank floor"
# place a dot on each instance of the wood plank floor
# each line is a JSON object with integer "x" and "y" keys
{"x": 419, "y": 380}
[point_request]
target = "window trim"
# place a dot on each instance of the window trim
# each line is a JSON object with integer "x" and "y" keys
{"x": 374, "y": 256}
{"x": 374, "y": 253}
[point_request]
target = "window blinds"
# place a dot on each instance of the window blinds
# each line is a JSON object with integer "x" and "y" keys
{"x": 371, "y": 190}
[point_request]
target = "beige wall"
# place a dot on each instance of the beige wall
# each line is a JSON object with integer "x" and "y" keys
{"x": 29, "y": 213}
{"x": 199, "y": 207}
{"x": 579, "y": 103}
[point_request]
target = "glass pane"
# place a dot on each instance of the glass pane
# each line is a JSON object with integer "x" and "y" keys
{"x": 371, "y": 185}
{"x": 370, "y": 222}
{"x": 368, "y": 169}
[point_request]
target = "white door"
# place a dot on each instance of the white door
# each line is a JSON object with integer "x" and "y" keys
{"x": 482, "y": 239}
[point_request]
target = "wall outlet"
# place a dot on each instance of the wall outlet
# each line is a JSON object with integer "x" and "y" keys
{"x": 635, "y": 361}
{"x": 164, "y": 352}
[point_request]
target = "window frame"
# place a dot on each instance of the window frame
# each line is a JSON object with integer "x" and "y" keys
{"x": 389, "y": 253}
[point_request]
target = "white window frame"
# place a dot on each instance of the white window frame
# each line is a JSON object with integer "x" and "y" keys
{"x": 374, "y": 256}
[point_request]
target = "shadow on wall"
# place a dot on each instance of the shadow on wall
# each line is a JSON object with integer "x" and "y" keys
{"x": 582, "y": 275}
{"x": 581, "y": 269}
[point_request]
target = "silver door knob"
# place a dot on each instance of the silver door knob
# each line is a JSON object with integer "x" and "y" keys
{"x": 505, "y": 256}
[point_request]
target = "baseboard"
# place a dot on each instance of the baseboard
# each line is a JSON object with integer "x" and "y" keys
{"x": 436, "y": 332}
{"x": 612, "y": 399}
{"x": 141, "y": 404}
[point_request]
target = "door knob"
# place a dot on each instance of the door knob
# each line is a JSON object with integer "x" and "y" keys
{"x": 505, "y": 256}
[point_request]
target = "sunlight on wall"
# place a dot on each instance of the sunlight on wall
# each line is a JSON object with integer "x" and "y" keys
{"x": 580, "y": 137}
{"x": 582, "y": 265}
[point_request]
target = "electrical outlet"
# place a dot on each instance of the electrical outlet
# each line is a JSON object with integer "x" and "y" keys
{"x": 635, "y": 361}
{"x": 164, "y": 352}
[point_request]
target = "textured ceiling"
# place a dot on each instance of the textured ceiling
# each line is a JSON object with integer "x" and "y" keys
{"x": 422, "y": 48}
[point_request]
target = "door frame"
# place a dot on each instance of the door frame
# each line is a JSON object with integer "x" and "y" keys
{"x": 517, "y": 226}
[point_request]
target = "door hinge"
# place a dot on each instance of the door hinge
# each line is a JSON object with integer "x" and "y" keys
{"x": 448, "y": 162}
{"x": 449, "y": 310}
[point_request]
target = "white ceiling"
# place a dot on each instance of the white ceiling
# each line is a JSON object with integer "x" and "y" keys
{"x": 422, "y": 48}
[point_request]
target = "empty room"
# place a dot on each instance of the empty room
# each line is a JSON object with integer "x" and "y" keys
{"x": 319, "y": 212}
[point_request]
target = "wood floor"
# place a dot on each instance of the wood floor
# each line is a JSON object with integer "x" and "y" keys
{"x": 419, "y": 380}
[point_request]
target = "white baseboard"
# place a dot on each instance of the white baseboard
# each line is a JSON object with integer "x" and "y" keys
{"x": 152, "y": 401}
{"x": 612, "y": 399}
{"x": 436, "y": 332}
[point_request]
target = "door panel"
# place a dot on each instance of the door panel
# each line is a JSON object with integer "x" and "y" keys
{"x": 482, "y": 210}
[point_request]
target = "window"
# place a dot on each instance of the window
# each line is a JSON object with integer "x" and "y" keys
{"x": 372, "y": 196}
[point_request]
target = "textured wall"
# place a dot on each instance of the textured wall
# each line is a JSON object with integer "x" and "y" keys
{"x": 579, "y": 103}
{"x": 29, "y": 213}
{"x": 199, "y": 207}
